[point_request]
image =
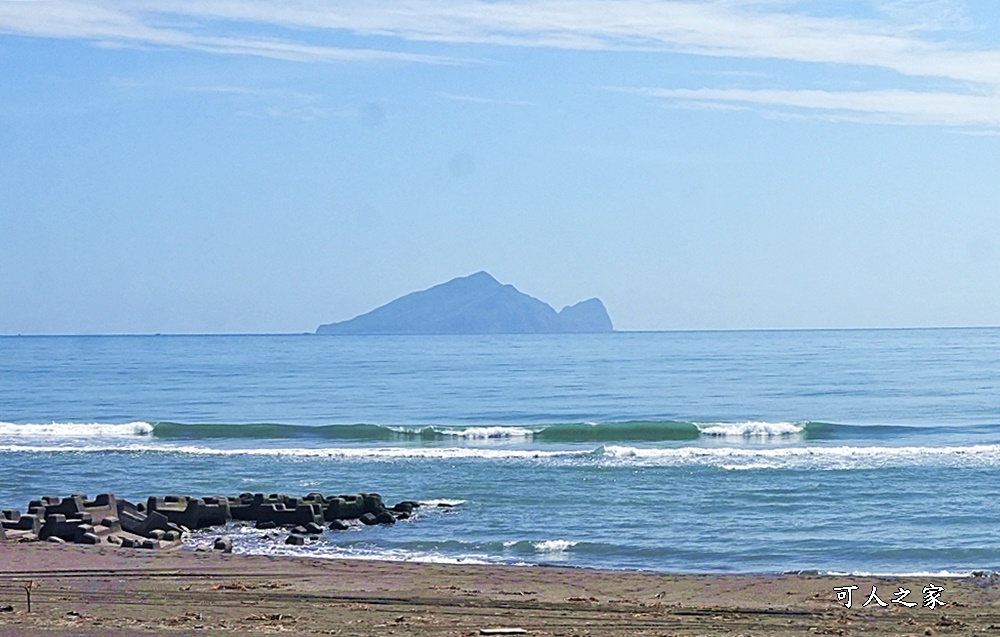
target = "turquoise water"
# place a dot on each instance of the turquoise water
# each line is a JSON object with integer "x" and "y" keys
{"x": 844, "y": 451}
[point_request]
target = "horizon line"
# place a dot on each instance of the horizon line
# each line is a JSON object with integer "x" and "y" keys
{"x": 615, "y": 331}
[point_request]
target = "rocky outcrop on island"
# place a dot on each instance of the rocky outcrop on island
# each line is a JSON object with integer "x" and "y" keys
{"x": 162, "y": 522}
{"x": 475, "y": 304}
{"x": 585, "y": 317}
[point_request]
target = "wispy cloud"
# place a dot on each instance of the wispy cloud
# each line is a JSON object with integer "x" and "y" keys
{"x": 473, "y": 99}
{"x": 130, "y": 24}
{"x": 877, "y": 106}
{"x": 926, "y": 15}
{"x": 273, "y": 103}
{"x": 723, "y": 28}
{"x": 914, "y": 40}
{"x": 256, "y": 92}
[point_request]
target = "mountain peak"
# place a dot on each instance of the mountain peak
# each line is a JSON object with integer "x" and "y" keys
{"x": 482, "y": 275}
{"x": 478, "y": 279}
{"x": 474, "y": 304}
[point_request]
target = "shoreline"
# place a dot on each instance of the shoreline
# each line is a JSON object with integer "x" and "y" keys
{"x": 106, "y": 590}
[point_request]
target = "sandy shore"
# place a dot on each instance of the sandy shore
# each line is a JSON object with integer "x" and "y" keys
{"x": 113, "y": 591}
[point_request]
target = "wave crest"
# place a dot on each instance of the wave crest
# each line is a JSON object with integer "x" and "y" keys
{"x": 580, "y": 433}
{"x": 74, "y": 430}
{"x": 752, "y": 429}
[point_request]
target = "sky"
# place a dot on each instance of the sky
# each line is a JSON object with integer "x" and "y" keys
{"x": 256, "y": 166}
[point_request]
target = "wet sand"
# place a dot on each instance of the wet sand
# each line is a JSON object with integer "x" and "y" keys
{"x": 105, "y": 591}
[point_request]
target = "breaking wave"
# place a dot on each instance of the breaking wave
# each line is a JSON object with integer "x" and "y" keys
{"x": 72, "y": 430}
{"x": 561, "y": 433}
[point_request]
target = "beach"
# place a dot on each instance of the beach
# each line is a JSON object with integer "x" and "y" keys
{"x": 98, "y": 591}
{"x": 651, "y": 484}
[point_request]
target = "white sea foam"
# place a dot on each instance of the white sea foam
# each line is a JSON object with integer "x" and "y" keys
{"x": 442, "y": 503}
{"x": 914, "y": 574}
{"x": 345, "y": 453}
{"x": 497, "y": 432}
{"x": 75, "y": 430}
{"x": 382, "y": 554}
{"x": 488, "y": 433}
{"x": 730, "y": 458}
{"x": 751, "y": 429}
{"x": 554, "y": 546}
{"x": 817, "y": 458}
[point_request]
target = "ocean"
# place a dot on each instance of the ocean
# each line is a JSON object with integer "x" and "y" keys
{"x": 842, "y": 451}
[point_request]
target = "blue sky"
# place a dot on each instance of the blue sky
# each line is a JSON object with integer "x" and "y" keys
{"x": 258, "y": 166}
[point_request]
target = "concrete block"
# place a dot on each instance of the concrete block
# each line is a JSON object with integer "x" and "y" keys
{"x": 82, "y": 530}
{"x": 43, "y": 503}
{"x": 281, "y": 515}
{"x": 215, "y": 511}
{"x": 79, "y": 507}
{"x": 68, "y": 507}
{"x": 38, "y": 511}
{"x": 403, "y": 507}
{"x": 194, "y": 513}
{"x": 109, "y": 525}
{"x": 245, "y": 506}
{"x": 344, "y": 507}
{"x": 89, "y": 538}
{"x": 57, "y": 525}
{"x": 103, "y": 506}
{"x": 373, "y": 503}
{"x": 178, "y": 509}
{"x": 14, "y": 520}
{"x": 140, "y": 523}
{"x": 312, "y": 528}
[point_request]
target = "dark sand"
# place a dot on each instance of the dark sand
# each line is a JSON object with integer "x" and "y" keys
{"x": 112, "y": 591}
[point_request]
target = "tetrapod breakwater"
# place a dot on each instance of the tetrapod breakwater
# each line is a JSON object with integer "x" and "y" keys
{"x": 163, "y": 522}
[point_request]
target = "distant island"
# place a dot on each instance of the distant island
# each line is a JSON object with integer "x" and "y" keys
{"x": 475, "y": 304}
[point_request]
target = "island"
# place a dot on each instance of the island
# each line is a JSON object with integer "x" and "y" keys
{"x": 475, "y": 304}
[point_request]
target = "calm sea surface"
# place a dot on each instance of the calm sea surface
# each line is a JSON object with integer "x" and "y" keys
{"x": 846, "y": 451}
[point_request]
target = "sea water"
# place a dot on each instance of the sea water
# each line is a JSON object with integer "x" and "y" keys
{"x": 863, "y": 451}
